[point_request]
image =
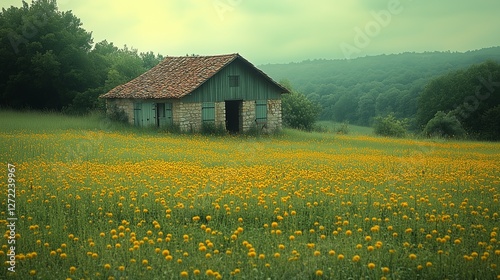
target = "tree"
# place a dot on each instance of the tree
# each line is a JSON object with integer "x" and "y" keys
{"x": 444, "y": 125}
{"x": 44, "y": 53}
{"x": 345, "y": 109}
{"x": 366, "y": 108}
{"x": 469, "y": 94}
{"x": 390, "y": 126}
{"x": 298, "y": 111}
{"x": 48, "y": 61}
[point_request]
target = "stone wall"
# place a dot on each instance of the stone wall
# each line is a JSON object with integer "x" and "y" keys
{"x": 273, "y": 115}
{"x": 220, "y": 114}
{"x": 126, "y": 105}
{"x": 187, "y": 116}
{"x": 247, "y": 115}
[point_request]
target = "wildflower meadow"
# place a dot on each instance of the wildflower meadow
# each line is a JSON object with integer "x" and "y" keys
{"x": 97, "y": 201}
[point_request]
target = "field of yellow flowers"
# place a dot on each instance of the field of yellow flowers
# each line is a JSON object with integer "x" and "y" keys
{"x": 103, "y": 203}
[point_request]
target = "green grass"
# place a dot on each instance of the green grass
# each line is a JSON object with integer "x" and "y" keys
{"x": 112, "y": 201}
{"x": 353, "y": 129}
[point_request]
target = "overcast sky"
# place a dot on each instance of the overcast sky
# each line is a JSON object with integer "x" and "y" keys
{"x": 289, "y": 31}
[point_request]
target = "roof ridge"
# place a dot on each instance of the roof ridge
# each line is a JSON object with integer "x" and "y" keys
{"x": 177, "y": 76}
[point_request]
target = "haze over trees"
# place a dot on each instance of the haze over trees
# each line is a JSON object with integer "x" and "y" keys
{"x": 408, "y": 86}
{"x": 358, "y": 90}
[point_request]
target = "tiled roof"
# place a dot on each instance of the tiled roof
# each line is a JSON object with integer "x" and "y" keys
{"x": 175, "y": 77}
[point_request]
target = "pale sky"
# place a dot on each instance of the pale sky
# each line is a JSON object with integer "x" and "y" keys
{"x": 281, "y": 31}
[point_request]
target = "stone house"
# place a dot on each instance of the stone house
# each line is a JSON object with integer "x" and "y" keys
{"x": 225, "y": 90}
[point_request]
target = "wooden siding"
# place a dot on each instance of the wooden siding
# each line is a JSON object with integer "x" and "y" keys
{"x": 252, "y": 86}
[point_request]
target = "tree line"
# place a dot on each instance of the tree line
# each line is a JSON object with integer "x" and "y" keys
{"x": 410, "y": 87}
{"x": 50, "y": 62}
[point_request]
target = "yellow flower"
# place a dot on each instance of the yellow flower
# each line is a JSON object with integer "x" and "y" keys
{"x": 371, "y": 265}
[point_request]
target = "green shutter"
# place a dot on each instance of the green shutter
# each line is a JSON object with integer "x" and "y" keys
{"x": 137, "y": 114}
{"x": 168, "y": 114}
{"x": 208, "y": 112}
{"x": 164, "y": 114}
{"x": 261, "y": 111}
{"x": 148, "y": 114}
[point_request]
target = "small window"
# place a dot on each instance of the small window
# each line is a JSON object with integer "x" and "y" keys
{"x": 234, "y": 81}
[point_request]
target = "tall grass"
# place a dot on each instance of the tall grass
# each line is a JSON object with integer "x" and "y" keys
{"x": 104, "y": 202}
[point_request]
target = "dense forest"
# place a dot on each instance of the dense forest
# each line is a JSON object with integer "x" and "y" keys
{"x": 358, "y": 90}
{"x": 50, "y": 62}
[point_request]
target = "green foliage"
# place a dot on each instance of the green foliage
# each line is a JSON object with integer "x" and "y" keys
{"x": 210, "y": 128}
{"x": 117, "y": 114}
{"x": 491, "y": 123}
{"x": 469, "y": 93}
{"x": 298, "y": 111}
{"x": 342, "y": 128}
{"x": 359, "y": 89}
{"x": 172, "y": 128}
{"x": 48, "y": 61}
{"x": 444, "y": 125}
{"x": 390, "y": 126}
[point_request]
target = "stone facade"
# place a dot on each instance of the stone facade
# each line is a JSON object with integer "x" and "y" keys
{"x": 125, "y": 105}
{"x": 247, "y": 115}
{"x": 188, "y": 115}
{"x": 220, "y": 114}
{"x": 274, "y": 118}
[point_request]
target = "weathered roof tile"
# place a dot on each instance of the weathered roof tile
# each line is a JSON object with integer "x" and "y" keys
{"x": 175, "y": 77}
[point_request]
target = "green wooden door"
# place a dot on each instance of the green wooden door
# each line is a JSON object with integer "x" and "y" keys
{"x": 164, "y": 114}
{"x": 148, "y": 114}
{"x": 145, "y": 114}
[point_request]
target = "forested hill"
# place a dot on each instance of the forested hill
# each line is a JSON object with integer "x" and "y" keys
{"x": 359, "y": 89}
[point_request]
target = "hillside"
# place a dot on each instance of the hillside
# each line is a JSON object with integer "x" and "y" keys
{"x": 357, "y": 90}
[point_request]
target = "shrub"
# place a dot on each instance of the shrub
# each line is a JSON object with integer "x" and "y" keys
{"x": 173, "y": 128}
{"x": 390, "y": 126}
{"x": 299, "y": 112}
{"x": 210, "y": 128}
{"x": 444, "y": 125}
{"x": 117, "y": 114}
{"x": 342, "y": 128}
